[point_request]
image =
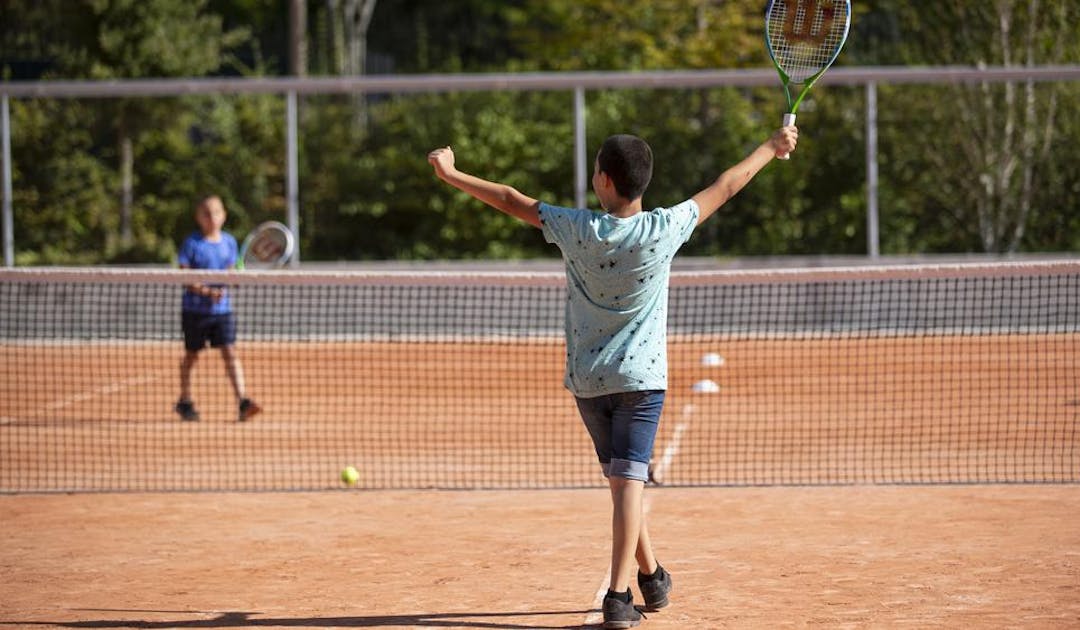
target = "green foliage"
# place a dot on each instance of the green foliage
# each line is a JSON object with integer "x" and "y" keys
{"x": 463, "y": 35}
{"x": 640, "y": 34}
{"x": 59, "y": 184}
{"x": 988, "y": 168}
{"x": 111, "y": 39}
{"x": 108, "y": 39}
{"x": 230, "y": 146}
{"x": 381, "y": 199}
{"x": 367, "y": 191}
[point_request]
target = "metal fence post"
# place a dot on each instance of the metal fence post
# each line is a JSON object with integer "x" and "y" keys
{"x": 292, "y": 178}
{"x": 9, "y": 223}
{"x": 872, "y": 239}
{"x": 580, "y": 166}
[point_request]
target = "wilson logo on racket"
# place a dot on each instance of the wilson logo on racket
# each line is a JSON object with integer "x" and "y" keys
{"x": 267, "y": 250}
{"x": 803, "y": 31}
{"x": 269, "y": 246}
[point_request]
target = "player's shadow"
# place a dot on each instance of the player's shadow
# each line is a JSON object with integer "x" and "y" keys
{"x": 485, "y": 620}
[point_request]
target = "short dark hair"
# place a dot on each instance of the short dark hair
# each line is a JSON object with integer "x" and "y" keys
{"x": 628, "y": 161}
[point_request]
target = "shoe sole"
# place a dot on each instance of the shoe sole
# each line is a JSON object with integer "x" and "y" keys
{"x": 615, "y": 625}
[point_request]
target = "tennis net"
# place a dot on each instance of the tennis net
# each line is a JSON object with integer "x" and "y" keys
{"x": 889, "y": 375}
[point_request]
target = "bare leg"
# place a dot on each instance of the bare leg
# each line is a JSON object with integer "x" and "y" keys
{"x": 645, "y": 559}
{"x": 235, "y": 370}
{"x": 626, "y": 528}
{"x": 186, "y": 365}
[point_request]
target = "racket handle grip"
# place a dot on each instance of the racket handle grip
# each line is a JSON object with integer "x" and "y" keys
{"x": 789, "y": 120}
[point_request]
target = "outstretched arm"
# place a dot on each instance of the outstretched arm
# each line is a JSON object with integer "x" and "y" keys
{"x": 498, "y": 196}
{"x": 732, "y": 180}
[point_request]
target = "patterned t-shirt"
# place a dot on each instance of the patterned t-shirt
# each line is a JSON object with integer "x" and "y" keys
{"x": 617, "y": 273}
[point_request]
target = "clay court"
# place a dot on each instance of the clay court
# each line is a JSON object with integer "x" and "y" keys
{"x": 494, "y": 415}
{"x": 919, "y": 472}
{"x": 829, "y": 510}
{"x": 782, "y": 557}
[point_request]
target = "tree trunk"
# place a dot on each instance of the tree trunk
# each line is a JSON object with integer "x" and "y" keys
{"x": 1016, "y": 130}
{"x": 298, "y": 38}
{"x": 335, "y": 36}
{"x": 127, "y": 169}
{"x": 357, "y": 19}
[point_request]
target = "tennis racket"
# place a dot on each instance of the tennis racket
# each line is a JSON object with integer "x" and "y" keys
{"x": 803, "y": 38}
{"x": 269, "y": 246}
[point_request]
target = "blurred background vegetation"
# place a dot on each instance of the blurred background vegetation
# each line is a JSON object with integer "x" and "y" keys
{"x": 963, "y": 168}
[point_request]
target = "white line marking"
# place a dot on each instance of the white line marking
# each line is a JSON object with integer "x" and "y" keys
{"x": 672, "y": 448}
{"x": 670, "y": 452}
{"x": 598, "y": 601}
{"x": 108, "y": 388}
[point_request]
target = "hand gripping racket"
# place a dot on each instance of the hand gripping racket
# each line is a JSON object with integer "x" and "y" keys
{"x": 803, "y": 38}
{"x": 270, "y": 245}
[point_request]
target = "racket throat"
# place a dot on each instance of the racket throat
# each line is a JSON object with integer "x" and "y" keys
{"x": 794, "y": 107}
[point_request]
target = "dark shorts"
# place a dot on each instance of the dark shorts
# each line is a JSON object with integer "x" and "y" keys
{"x": 219, "y": 330}
{"x": 623, "y": 429}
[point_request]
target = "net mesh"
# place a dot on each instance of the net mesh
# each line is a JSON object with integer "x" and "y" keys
{"x": 805, "y": 35}
{"x": 964, "y": 374}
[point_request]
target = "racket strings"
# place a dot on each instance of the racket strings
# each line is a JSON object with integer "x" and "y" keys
{"x": 805, "y": 35}
{"x": 270, "y": 245}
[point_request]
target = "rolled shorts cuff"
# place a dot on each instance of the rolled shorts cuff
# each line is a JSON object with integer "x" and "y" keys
{"x": 638, "y": 471}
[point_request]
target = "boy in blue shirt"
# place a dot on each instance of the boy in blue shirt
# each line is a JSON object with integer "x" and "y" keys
{"x": 206, "y": 311}
{"x": 617, "y": 267}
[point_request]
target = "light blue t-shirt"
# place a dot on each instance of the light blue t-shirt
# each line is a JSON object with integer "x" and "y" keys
{"x": 198, "y": 253}
{"x": 617, "y": 273}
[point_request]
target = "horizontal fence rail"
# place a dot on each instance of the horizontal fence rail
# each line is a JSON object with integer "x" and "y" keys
{"x": 577, "y": 82}
{"x": 391, "y": 84}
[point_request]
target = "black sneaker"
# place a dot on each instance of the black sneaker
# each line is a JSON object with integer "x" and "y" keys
{"x": 620, "y": 614}
{"x": 655, "y": 588}
{"x": 187, "y": 412}
{"x": 248, "y": 408}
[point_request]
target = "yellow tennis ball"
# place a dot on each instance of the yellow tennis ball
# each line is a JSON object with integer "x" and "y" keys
{"x": 349, "y": 476}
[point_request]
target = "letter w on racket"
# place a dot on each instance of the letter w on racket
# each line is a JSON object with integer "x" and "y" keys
{"x": 802, "y": 30}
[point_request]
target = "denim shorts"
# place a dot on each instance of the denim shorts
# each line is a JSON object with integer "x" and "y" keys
{"x": 218, "y": 329}
{"x": 623, "y": 429}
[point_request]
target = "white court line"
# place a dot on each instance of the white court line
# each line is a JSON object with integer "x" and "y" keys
{"x": 659, "y": 471}
{"x": 672, "y": 448}
{"x": 594, "y": 618}
{"x": 108, "y": 388}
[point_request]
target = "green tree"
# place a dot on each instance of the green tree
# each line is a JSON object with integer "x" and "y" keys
{"x": 640, "y": 34}
{"x": 990, "y": 152}
{"x": 427, "y": 36}
{"x": 697, "y": 133}
{"x": 379, "y": 199}
{"x": 59, "y": 184}
{"x": 110, "y": 39}
{"x": 963, "y": 168}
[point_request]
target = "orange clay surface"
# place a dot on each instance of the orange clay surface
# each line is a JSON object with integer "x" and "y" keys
{"x": 811, "y": 557}
{"x": 493, "y": 414}
{"x": 833, "y": 411}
